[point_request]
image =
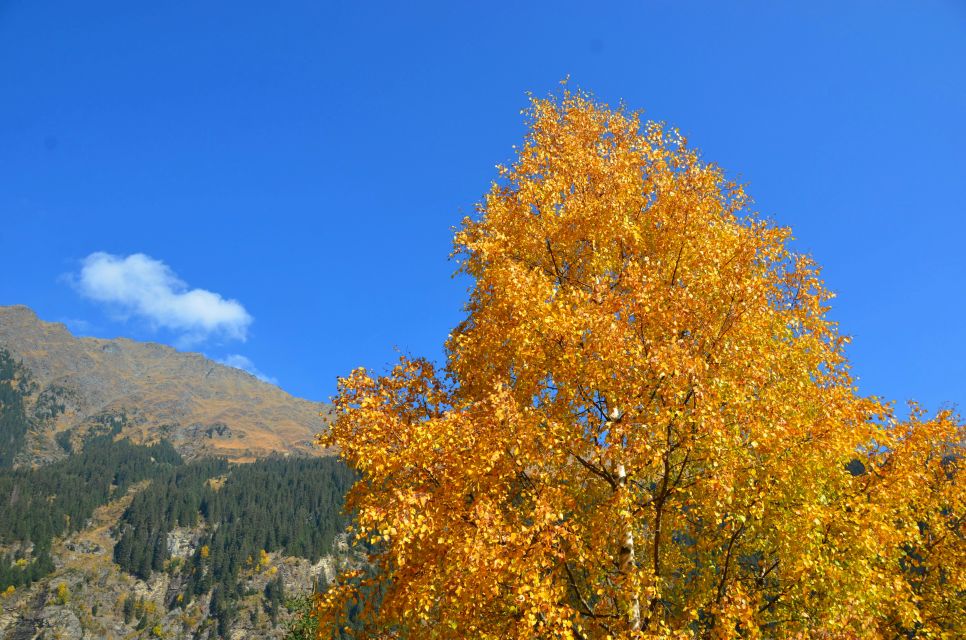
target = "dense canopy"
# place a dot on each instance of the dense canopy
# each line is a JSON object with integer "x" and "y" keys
{"x": 646, "y": 426}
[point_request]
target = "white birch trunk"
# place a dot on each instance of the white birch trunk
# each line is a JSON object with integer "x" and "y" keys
{"x": 625, "y": 560}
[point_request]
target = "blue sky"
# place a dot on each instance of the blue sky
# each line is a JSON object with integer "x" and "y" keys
{"x": 286, "y": 175}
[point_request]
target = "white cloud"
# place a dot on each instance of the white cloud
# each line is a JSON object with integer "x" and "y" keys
{"x": 239, "y": 361}
{"x": 139, "y": 285}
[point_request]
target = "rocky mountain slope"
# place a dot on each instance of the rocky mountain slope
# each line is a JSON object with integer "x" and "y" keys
{"x": 89, "y": 597}
{"x": 102, "y": 536}
{"x": 84, "y": 386}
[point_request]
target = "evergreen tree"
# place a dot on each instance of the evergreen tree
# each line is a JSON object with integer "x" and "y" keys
{"x": 128, "y": 610}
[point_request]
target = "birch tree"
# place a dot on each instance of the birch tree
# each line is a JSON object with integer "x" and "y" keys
{"x": 645, "y": 426}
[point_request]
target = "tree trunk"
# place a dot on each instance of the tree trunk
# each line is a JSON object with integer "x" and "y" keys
{"x": 625, "y": 560}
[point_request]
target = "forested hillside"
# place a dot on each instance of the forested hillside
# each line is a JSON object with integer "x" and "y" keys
{"x": 149, "y": 493}
{"x": 289, "y": 506}
{"x": 15, "y": 384}
{"x": 235, "y": 517}
{"x": 44, "y": 503}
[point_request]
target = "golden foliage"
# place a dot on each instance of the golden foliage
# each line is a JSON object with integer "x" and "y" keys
{"x": 63, "y": 594}
{"x": 646, "y": 426}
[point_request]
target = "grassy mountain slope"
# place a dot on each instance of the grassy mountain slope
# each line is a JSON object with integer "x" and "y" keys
{"x": 202, "y": 407}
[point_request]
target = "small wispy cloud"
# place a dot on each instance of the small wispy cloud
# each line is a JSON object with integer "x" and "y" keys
{"x": 78, "y": 326}
{"x": 239, "y": 361}
{"x": 139, "y": 285}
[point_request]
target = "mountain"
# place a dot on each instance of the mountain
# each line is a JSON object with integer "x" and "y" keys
{"x": 84, "y": 386}
{"x": 151, "y": 493}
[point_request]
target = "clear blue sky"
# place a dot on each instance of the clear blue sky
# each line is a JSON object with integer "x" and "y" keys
{"x": 308, "y": 160}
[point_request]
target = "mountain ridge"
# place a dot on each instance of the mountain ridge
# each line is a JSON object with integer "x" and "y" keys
{"x": 85, "y": 384}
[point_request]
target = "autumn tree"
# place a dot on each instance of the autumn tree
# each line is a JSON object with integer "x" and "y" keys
{"x": 646, "y": 426}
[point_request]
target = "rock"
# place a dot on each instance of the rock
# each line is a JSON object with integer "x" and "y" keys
{"x": 60, "y": 621}
{"x": 84, "y": 546}
{"x": 182, "y": 542}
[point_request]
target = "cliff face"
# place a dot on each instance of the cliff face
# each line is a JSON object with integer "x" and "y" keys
{"x": 146, "y": 391}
